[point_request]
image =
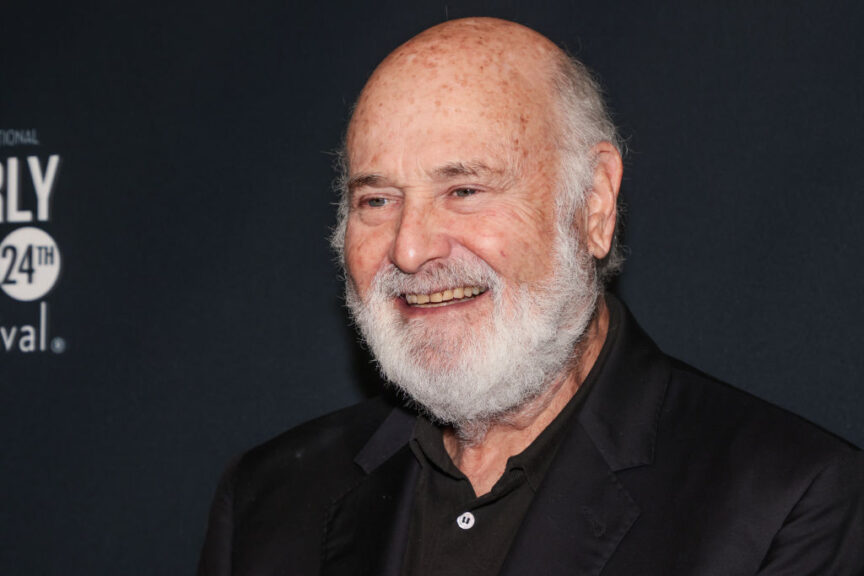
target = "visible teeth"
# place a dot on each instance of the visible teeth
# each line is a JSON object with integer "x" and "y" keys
{"x": 444, "y": 296}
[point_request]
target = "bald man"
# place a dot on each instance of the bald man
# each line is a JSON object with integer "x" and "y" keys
{"x": 543, "y": 432}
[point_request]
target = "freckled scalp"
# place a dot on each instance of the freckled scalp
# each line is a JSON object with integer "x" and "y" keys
{"x": 502, "y": 63}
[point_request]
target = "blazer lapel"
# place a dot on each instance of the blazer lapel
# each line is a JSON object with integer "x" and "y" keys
{"x": 581, "y": 512}
{"x": 367, "y": 528}
{"x": 578, "y": 516}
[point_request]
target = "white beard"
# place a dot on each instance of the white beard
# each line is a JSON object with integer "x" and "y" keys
{"x": 474, "y": 374}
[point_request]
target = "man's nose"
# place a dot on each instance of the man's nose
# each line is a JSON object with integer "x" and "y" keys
{"x": 419, "y": 238}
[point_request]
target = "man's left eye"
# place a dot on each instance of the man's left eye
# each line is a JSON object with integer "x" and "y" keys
{"x": 464, "y": 192}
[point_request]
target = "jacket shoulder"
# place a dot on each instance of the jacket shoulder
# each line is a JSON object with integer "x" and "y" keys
{"x": 744, "y": 443}
{"x": 270, "y": 506}
{"x": 327, "y": 443}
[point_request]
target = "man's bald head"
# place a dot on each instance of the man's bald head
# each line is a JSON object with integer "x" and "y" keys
{"x": 508, "y": 72}
{"x": 500, "y": 63}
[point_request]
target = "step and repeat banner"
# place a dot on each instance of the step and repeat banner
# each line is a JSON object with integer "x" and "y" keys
{"x": 168, "y": 297}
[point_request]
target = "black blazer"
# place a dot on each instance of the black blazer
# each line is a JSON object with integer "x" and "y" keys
{"x": 664, "y": 471}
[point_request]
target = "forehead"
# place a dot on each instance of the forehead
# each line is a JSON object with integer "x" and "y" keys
{"x": 462, "y": 104}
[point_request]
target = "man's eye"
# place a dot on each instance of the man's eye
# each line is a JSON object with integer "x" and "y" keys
{"x": 464, "y": 192}
{"x": 375, "y": 202}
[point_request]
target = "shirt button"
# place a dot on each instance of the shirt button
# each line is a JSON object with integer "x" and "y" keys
{"x": 465, "y": 521}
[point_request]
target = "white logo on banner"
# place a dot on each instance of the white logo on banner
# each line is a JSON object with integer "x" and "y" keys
{"x": 29, "y": 256}
{"x": 29, "y": 264}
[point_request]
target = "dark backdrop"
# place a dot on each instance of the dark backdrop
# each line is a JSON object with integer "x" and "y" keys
{"x": 197, "y": 311}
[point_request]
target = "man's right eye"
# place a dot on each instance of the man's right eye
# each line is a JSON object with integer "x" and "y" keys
{"x": 375, "y": 202}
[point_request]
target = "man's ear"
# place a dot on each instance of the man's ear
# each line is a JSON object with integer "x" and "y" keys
{"x": 600, "y": 206}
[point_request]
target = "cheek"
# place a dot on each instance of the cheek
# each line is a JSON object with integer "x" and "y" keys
{"x": 520, "y": 246}
{"x": 365, "y": 254}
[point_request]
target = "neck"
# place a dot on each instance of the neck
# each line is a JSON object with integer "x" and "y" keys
{"x": 482, "y": 454}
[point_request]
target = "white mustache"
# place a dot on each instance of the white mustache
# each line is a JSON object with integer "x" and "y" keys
{"x": 435, "y": 277}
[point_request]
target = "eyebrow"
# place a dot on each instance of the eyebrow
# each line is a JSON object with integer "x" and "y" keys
{"x": 371, "y": 180}
{"x": 446, "y": 171}
{"x": 457, "y": 169}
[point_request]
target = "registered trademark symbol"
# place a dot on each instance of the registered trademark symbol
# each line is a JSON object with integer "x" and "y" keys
{"x": 58, "y": 345}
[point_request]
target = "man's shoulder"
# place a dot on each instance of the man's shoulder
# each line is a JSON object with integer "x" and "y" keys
{"x": 726, "y": 421}
{"x": 330, "y": 441}
{"x": 695, "y": 417}
{"x": 272, "y": 501}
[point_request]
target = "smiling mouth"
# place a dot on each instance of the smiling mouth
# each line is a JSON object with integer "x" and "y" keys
{"x": 444, "y": 298}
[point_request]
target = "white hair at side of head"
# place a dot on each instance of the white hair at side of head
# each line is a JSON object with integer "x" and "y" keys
{"x": 583, "y": 122}
{"x": 340, "y": 186}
